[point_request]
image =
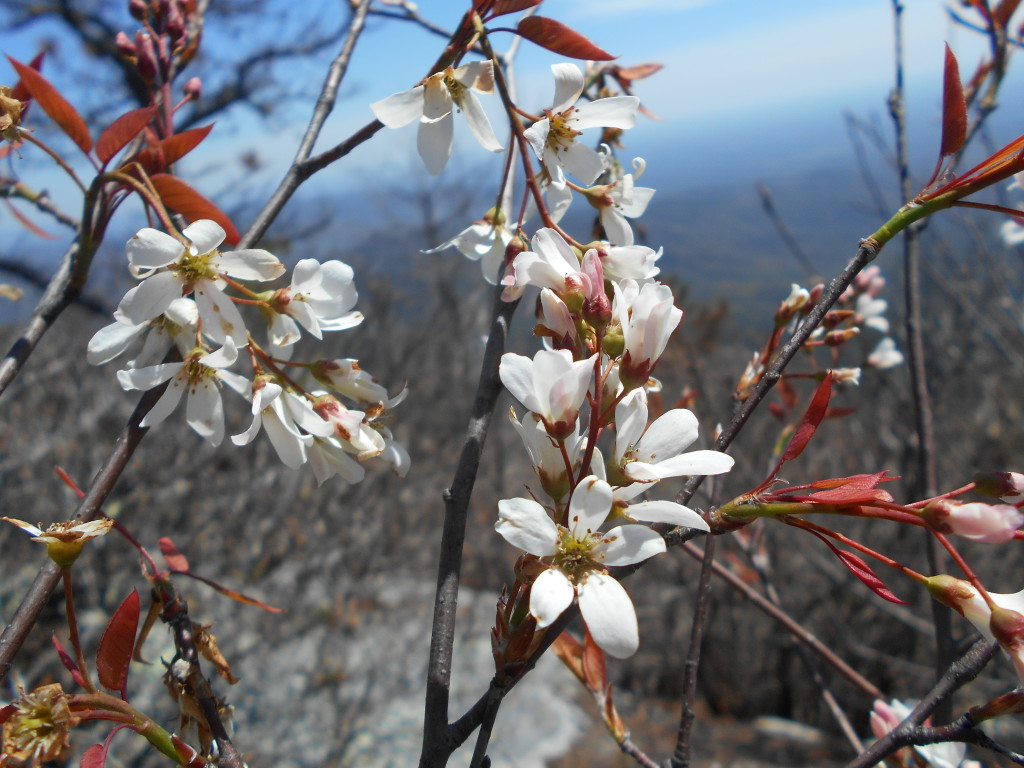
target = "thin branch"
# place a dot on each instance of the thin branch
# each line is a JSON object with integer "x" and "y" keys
{"x": 791, "y": 625}
{"x": 324, "y": 105}
{"x": 924, "y": 424}
{"x": 88, "y": 509}
{"x": 681, "y": 755}
{"x": 959, "y": 673}
{"x": 784, "y": 232}
{"x": 866, "y": 253}
{"x": 456, "y": 498}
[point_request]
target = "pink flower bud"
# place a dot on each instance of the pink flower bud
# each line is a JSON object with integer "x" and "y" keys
{"x": 194, "y": 88}
{"x": 1008, "y": 486}
{"x": 146, "y": 60}
{"x": 124, "y": 45}
{"x": 989, "y": 523}
{"x": 138, "y": 9}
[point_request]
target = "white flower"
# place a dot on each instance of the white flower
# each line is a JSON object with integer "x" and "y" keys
{"x": 281, "y": 414}
{"x": 870, "y": 312}
{"x": 887, "y": 716}
{"x": 484, "y": 241}
{"x": 550, "y": 263}
{"x": 546, "y": 455}
{"x": 345, "y": 377}
{"x": 648, "y": 318}
{"x": 171, "y": 269}
{"x": 578, "y": 557}
{"x": 551, "y": 385}
{"x": 149, "y": 340}
{"x": 623, "y": 200}
{"x": 1012, "y": 232}
{"x": 844, "y": 377}
{"x": 554, "y": 137}
{"x": 320, "y": 298}
{"x": 630, "y": 262}
{"x": 328, "y": 458}
{"x": 200, "y": 374}
{"x": 885, "y": 355}
{"x": 650, "y": 453}
{"x": 432, "y": 103}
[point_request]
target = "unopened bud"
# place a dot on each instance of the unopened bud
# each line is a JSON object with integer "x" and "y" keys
{"x": 838, "y": 338}
{"x": 791, "y": 305}
{"x": 816, "y": 292}
{"x": 125, "y": 46}
{"x": 139, "y": 9}
{"x": 1008, "y": 486}
{"x": 835, "y": 317}
{"x": 989, "y": 523}
{"x": 145, "y": 53}
{"x": 175, "y": 24}
{"x": 194, "y": 88}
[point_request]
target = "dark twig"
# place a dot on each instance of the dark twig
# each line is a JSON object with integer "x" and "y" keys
{"x": 88, "y": 509}
{"x": 324, "y": 105}
{"x": 176, "y": 616}
{"x": 456, "y": 501}
{"x": 681, "y": 755}
{"x": 783, "y": 230}
{"x": 865, "y": 255}
{"x": 924, "y": 427}
{"x": 790, "y": 624}
{"x": 959, "y": 673}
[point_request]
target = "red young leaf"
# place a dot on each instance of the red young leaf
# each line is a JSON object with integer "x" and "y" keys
{"x": 180, "y": 144}
{"x": 954, "y": 108}
{"x": 68, "y": 662}
{"x": 594, "y": 663}
{"x": 859, "y": 568}
{"x": 94, "y": 757}
{"x": 236, "y": 596}
{"x": 55, "y": 105}
{"x": 638, "y": 72}
{"x": 19, "y": 91}
{"x": 175, "y": 560}
{"x": 179, "y": 196}
{"x": 1004, "y": 11}
{"x": 855, "y": 481}
{"x": 6, "y": 712}
{"x": 121, "y": 131}
{"x": 812, "y": 418}
{"x": 555, "y": 36}
{"x": 502, "y": 7}
{"x": 116, "y": 645}
{"x": 570, "y": 651}
{"x": 27, "y": 223}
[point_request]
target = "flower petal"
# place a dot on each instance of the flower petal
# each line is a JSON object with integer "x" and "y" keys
{"x": 251, "y": 264}
{"x": 525, "y": 524}
{"x": 568, "y": 85}
{"x": 434, "y": 143}
{"x": 205, "y": 235}
{"x": 628, "y": 544}
{"x": 400, "y": 109}
{"x": 667, "y": 512}
{"x": 609, "y": 615}
{"x": 149, "y": 299}
{"x": 551, "y": 594}
{"x": 612, "y": 112}
{"x": 204, "y": 411}
{"x": 479, "y": 125}
{"x": 151, "y": 248}
{"x": 590, "y": 505}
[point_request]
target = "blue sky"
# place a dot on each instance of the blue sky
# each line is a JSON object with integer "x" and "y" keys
{"x": 748, "y": 85}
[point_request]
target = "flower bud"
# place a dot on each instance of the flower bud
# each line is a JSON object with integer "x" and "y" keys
{"x": 1008, "y": 486}
{"x": 194, "y": 88}
{"x": 125, "y": 46}
{"x": 989, "y": 523}
{"x": 1007, "y": 626}
{"x": 838, "y": 338}
{"x": 791, "y": 305}
{"x": 146, "y": 59}
{"x": 139, "y": 9}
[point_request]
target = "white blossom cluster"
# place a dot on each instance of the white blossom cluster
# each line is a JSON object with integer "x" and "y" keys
{"x": 605, "y": 322}
{"x": 182, "y": 303}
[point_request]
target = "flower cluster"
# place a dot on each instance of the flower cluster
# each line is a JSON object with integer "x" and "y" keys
{"x": 180, "y": 326}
